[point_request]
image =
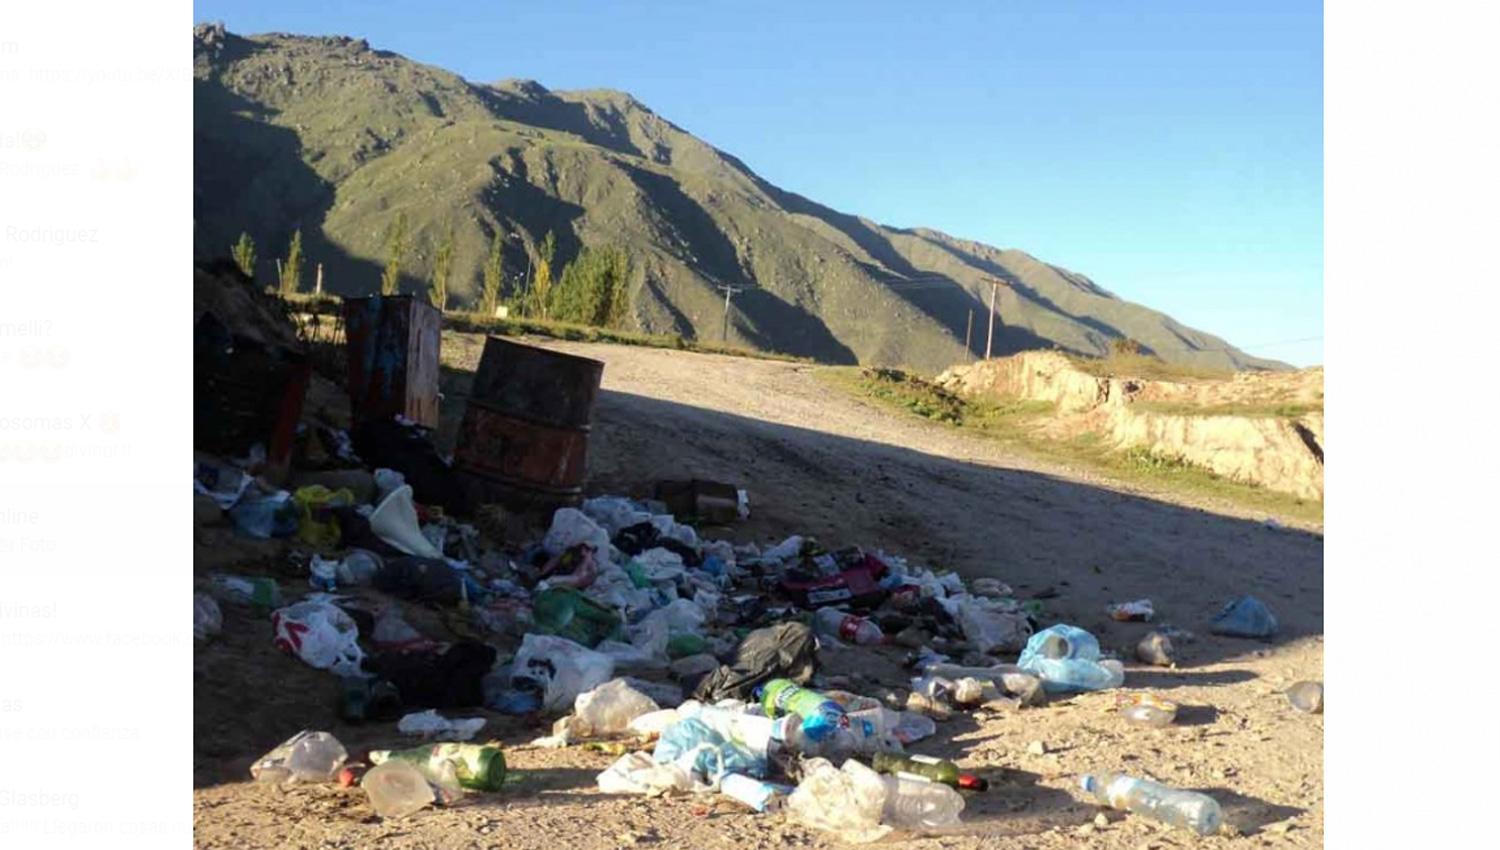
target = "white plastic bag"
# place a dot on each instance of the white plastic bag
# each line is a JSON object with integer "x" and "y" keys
{"x": 430, "y": 724}
{"x": 661, "y": 565}
{"x": 609, "y": 708}
{"x": 320, "y": 634}
{"x": 651, "y": 724}
{"x": 637, "y": 773}
{"x": 614, "y": 513}
{"x": 562, "y": 669}
{"x": 570, "y": 527}
{"x": 208, "y": 620}
{"x": 849, "y": 802}
{"x": 991, "y": 624}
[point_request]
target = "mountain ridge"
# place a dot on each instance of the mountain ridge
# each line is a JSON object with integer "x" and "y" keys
{"x": 330, "y": 135}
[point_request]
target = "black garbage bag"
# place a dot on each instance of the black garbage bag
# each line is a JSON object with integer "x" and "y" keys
{"x": 635, "y": 539}
{"x": 408, "y": 449}
{"x": 784, "y": 651}
{"x": 451, "y": 679}
{"x": 420, "y": 580}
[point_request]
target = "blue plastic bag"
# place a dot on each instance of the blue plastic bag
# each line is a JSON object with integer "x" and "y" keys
{"x": 1244, "y": 617}
{"x": 275, "y": 515}
{"x": 1079, "y": 668}
{"x": 695, "y": 746}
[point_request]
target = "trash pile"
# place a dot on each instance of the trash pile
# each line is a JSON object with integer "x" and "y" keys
{"x": 693, "y": 658}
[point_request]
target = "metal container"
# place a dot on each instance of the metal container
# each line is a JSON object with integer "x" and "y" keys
{"x": 246, "y": 393}
{"x": 524, "y": 436}
{"x": 394, "y": 344}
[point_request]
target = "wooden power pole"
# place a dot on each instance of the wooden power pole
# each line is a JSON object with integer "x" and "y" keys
{"x": 728, "y": 291}
{"x": 994, "y": 286}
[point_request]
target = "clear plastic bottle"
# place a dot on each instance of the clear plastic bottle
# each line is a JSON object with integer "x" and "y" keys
{"x": 1147, "y": 710}
{"x": 836, "y": 623}
{"x": 1306, "y": 696}
{"x": 397, "y": 789}
{"x": 307, "y": 756}
{"x": 1156, "y": 649}
{"x": 915, "y": 804}
{"x": 1186, "y": 809}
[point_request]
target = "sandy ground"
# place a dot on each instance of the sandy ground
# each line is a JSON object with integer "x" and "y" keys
{"x": 816, "y": 462}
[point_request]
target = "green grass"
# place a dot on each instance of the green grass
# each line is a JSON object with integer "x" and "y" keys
{"x": 1279, "y": 410}
{"x": 1015, "y": 424}
{"x": 1121, "y": 365}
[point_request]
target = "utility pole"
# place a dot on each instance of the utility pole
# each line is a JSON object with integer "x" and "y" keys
{"x": 968, "y": 335}
{"x": 728, "y": 291}
{"x": 994, "y": 287}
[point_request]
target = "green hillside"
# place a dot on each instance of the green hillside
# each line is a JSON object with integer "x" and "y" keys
{"x": 339, "y": 139}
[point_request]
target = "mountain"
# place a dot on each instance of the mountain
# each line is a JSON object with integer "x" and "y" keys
{"x": 337, "y": 138}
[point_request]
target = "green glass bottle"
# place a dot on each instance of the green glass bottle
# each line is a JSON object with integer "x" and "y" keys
{"x": 929, "y": 768}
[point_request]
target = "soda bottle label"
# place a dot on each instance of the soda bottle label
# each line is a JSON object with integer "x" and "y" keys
{"x": 849, "y": 628}
{"x": 923, "y": 759}
{"x": 913, "y": 777}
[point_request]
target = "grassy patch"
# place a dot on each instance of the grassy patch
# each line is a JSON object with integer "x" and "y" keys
{"x": 1125, "y": 365}
{"x": 1015, "y": 424}
{"x": 1280, "y": 410}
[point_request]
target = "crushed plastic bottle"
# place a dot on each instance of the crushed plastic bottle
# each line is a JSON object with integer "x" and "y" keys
{"x": 398, "y": 788}
{"x": 1156, "y": 649}
{"x": 1147, "y": 710}
{"x": 307, "y": 756}
{"x": 847, "y": 627}
{"x": 1186, "y": 809}
{"x": 1306, "y": 696}
{"x": 916, "y": 804}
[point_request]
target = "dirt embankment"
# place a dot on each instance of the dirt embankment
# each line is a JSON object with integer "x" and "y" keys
{"x": 1259, "y": 428}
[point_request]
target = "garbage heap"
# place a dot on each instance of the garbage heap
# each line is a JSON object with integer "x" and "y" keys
{"x": 695, "y": 660}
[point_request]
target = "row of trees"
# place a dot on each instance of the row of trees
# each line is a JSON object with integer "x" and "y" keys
{"x": 593, "y": 289}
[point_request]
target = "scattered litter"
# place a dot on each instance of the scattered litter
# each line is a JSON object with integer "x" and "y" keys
{"x": 208, "y": 621}
{"x": 1139, "y": 611}
{"x": 307, "y": 756}
{"x": 1244, "y": 617}
{"x": 430, "y": 724}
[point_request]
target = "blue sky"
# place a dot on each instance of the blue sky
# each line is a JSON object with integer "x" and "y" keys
{"x": 1170, "y": 150}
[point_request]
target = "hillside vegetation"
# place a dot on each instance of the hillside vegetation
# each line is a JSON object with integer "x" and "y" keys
{"x": 342, "y": 141}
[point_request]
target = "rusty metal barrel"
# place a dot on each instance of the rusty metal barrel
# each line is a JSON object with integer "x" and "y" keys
{"x": 525, "y": 432}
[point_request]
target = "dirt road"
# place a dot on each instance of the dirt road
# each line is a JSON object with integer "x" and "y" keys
{"x": 819, "y": 463}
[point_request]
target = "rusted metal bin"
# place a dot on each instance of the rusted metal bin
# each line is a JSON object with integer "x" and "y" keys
{"x": 525, "y": 433}
{"x": 246, "y": 392}
{"x": 394, "y": 357}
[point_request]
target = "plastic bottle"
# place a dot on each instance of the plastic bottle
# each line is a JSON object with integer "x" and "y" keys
{"x": 835, "y": 623}
{"x": 308, "y": 756}
{"x": 820, "y": 715}
{"x": 928, "y": 768}
{"x": 1147, "y": 710}
{"x": 1012, "y": 680}
{"x": 478, "y": 767}
{"x": 916, "y": 804}
{"x": 1187, "y": 809}
{"x": 1306, "y": 696}
{"x": 397, "y": 789}
{"x": 1155, "y": 648}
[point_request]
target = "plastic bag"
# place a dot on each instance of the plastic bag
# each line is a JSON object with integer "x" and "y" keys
{"x": 570, "y": 527}
{"x": 208, "y": 620}
{"x": 320, "y": 634}
{"x": 703, "y": 751}
{"x": 992, "y": 625}
{"x": 430, "y": 724}
{"x": 660, "y": 565}
{"x": 614, "y": 513}
{"x": 307, "y": 756}
{"x": 316, "y": 525}
{"x": 849, "y": 802}
{"x": 565, "y": 612}
{"x": 784, "y": 651}
{"x": 610, "y": 708}
{"x": 265, "y": 516}
{"x": 1244, "y": 617}
{"x": 558, "y": 669}
{"x": 638, "y": 773}
{"x": 653, "y": 723}
{"x": 1077, "y": 669}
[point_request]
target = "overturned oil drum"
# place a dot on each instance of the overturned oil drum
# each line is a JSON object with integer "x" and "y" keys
{"x": 525, "y": 433}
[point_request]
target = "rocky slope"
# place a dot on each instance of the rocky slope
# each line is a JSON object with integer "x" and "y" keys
{"x": 1259, "y": 428}
{"x": 339, "y": 139}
